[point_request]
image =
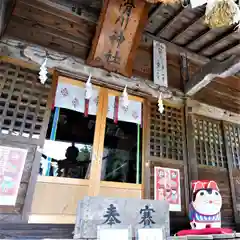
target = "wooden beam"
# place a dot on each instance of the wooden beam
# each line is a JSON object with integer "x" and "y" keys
{"x": 174, "y": 48}
{"x": 6, "y": 8}
{"x": 76, "y": 67}
{"x": 206, "y": 110}
{"x": 211, "y": 70}
{"x": 118, "y": 35}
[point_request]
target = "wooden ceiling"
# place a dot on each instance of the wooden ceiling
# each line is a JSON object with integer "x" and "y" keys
{"x": 69, "y": 26}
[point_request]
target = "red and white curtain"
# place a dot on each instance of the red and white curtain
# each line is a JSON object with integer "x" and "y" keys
{"x": 133, "y": 113}
{"x": 73, "y": 97}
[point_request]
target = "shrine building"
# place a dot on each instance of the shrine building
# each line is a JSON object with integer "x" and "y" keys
{"x": 99, "y": 96}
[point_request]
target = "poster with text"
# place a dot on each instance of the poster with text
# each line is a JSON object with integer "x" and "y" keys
{"x": 12, "y": 162}
{"x": 167, "y": 187}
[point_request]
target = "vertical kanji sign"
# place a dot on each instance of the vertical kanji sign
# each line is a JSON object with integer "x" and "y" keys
{"x": 167, "y": 187}
{"x": 12, "y": 161}
{"x": 118, "y": 34}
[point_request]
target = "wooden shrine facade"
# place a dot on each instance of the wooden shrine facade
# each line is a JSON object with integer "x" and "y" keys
{"x": 183, "y": 137}
{"x": 198, "y": 133}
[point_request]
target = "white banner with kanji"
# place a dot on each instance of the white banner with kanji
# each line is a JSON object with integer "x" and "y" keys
{"x": 167, "y": 187}
{"x": 73, "y": 97}
{"x": 133, "y": 113}
{"x": 160, "y": 76}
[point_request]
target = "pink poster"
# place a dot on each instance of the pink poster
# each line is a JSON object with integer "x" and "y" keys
{"x": 167, "y": 187}
{"x": 12, "y": 162}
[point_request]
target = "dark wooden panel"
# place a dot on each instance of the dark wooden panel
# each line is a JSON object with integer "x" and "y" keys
{"x": 46, "y": 37}
{"x": 76, "y": 28}
{"x": 222, "y": 179}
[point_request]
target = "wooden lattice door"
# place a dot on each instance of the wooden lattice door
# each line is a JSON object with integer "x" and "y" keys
{"x": 232, "y": 143}
{"x": 167, "y": 148}
{"x": 212, "y": 161}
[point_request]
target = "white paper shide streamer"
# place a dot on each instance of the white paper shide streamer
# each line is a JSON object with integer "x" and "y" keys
{"x": 124, "y": 101}
{"x": 160, "y": 104}
{"x": 43, "y": 72}
{"x": 88, "y": 88}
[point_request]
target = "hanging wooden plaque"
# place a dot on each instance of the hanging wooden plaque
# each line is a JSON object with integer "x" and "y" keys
{"x": 117, "y": 35}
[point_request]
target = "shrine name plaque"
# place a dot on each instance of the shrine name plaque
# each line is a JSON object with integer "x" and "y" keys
{"x": 118, "y": 34}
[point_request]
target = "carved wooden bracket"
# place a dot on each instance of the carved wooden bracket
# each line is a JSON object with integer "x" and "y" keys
{"x": 210, "y": 71}
{"x": 118, "y": 35}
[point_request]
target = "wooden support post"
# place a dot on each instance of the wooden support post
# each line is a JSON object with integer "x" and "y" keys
{"x": 6, "y": 8}
{"x": 146, "y": 185}
{"x": 191, "y": 150}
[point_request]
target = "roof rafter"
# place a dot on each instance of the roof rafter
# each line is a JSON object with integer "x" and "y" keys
{"x": 171, "y": 22}
{"x": 180, "y": 34}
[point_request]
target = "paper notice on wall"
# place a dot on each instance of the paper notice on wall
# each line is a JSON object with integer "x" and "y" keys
{"x": 114, "y": 233}
{"x": 150, "y": 234}
{"x": 12, "y": 164}
{"x": 167, "y": 187}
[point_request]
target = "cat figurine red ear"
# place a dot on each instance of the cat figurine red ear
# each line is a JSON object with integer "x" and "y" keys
{"x": 205, "y": 207}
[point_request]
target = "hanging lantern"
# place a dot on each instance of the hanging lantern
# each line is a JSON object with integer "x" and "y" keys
{"x": 221, "y": 13}
{"x": 88, "y": 88}
{"x": 160, "y": 104}
{"x": 124, "y": 99}
{"x": 43, "y": 72}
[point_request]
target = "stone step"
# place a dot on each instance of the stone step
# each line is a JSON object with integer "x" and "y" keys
{"x": 36, "y": 231}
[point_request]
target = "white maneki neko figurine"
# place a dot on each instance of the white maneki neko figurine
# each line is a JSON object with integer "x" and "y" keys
{"x": 204, "y": 210}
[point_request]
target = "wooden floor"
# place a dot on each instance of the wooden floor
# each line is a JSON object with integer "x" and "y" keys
{"x": 36, "y": 231}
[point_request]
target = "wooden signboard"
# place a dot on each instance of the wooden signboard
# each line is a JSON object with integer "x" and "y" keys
{"x": 160, "y": 64}
{"x": 118, "y": 34}
{"x": 12, "y": 162}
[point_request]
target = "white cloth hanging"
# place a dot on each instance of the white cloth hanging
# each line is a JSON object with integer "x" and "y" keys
{"x": 73, "y": 97}
{"x": 133, "y": 113}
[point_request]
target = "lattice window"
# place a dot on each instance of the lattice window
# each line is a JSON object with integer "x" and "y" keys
{"x": 209, "y": 142}
{"x": 167, "y": 133}
{"x": 23, "y": 101}
{"x": 233, "y": 140}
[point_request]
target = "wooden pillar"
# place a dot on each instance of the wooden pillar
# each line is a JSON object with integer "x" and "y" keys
{"x": 146, "y": 186}
{"x": 191, "y": 149}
